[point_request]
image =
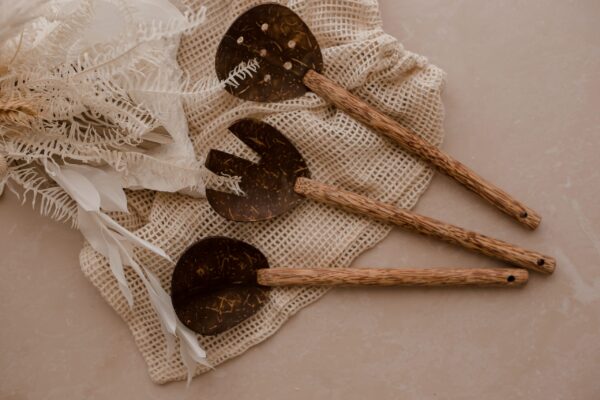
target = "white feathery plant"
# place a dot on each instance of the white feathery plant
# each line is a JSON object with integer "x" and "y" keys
{"x": 78, "y": 109}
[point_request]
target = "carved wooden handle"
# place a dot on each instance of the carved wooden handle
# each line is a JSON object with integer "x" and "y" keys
{"x": 361, "y": 111}
{"x": 495, "y": 277}
{"x": 386, "y": 212}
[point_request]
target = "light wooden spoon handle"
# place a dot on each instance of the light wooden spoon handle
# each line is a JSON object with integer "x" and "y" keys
{"x": 361, "y": 111}
{"x": 406, "y": 219}
{"x": 495, "y": 277}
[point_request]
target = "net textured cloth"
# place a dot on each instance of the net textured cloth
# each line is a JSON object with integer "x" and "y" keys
{"x": 360, "y": 56}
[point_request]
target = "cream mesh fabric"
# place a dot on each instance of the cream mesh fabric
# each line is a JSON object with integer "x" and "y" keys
{"x": 361, "y": 57}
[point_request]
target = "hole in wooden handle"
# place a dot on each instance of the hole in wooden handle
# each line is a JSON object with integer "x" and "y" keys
{"x": 541, "y": 262}
{"x": 524, "y": 214}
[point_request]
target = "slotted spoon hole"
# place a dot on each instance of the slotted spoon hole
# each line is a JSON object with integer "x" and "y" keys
{"x": 287, "y": 65}
{"x": 285, "y": 37}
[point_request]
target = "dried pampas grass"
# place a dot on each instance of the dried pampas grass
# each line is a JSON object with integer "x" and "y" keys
{"x": 90, "y": 104}
{"x": 15, "y": 112}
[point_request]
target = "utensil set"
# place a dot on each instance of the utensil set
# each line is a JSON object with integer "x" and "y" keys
{"x": 219, "y": 282}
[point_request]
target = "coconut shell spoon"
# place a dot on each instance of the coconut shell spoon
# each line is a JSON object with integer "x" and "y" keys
{"x": 281, "y": 180}
{"x": 291, "y": 63}
{"x": 218, "y": 282}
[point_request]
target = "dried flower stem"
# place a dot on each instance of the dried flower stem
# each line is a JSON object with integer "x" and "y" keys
{"x": 3, "y": 166}
{"x": 15, "y": 112}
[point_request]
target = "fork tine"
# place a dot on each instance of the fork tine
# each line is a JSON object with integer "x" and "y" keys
{"x": 268, "y": 185}
{"x": 255, "y": 134}
{"x": 222, "y": 163}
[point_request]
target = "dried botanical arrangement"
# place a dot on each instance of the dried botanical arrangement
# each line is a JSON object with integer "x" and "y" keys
{"x": 90, "y": 104}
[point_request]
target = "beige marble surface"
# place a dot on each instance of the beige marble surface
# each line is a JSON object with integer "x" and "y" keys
{"x": 522, "y": 109}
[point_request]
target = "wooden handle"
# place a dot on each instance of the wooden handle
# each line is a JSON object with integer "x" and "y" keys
{"x": 453, "y": 234}
{"x": 361, "y": 111}
{"x": 495, "y": 277}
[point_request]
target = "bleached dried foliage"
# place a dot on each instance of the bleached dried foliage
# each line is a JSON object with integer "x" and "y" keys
{"x": 79, "y": 108}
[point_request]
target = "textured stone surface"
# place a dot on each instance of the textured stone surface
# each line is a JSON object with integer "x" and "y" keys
{"x": 521, "y": 105}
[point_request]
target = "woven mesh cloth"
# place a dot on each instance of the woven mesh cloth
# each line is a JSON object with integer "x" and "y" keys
{"x": 340, "y": 151}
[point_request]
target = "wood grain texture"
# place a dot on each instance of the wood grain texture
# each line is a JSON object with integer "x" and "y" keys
{"x": 406, "y": 219}
{"x": 494, "y": 277}
{"x": 361, "y": 111}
